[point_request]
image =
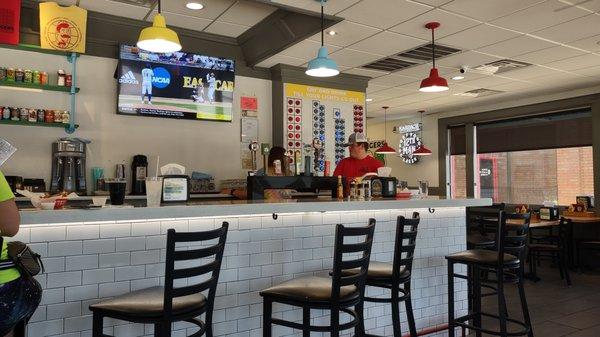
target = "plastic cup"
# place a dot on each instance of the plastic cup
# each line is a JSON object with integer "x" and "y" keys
{"x": 116, "y": 189}
{"x": 153, "y": 191}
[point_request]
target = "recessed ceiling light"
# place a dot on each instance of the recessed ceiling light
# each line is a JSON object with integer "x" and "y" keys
{"x": 458, "y": 78}
{"x": 194, "y": 6}
{"x": 332, "y": 33}
{"x": 369, "y": 100}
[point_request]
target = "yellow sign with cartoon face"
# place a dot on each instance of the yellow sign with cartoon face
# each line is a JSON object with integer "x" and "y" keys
{"x": 62, "y": 28}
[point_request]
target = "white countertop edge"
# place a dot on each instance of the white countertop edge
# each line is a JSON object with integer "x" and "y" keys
{"x": 166, "y": 213}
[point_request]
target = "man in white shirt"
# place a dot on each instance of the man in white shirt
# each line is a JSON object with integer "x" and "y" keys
{"x": 211, "y": 80}
{"x": 147, "y": 75}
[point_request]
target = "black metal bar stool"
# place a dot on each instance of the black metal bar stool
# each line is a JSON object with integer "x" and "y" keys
{"x": 336, "y": 294}
{"x": 395, "y": 276}
{"x": 162, "y": 306}
{"x": 505, "y": 263}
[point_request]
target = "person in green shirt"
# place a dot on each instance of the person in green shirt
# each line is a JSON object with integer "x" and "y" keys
{"x": 19, "y": 296}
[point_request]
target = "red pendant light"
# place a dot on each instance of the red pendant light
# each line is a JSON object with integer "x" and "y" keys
{"x": 433, "y": 83}
{"x": 422, "y": 150}
{"x": 385, "y": 149}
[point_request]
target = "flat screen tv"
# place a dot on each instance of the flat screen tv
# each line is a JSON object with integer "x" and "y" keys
{"x": 175, "y": 85}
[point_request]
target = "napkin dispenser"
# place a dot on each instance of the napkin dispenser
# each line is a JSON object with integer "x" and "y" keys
{"x": 548, "y": 213}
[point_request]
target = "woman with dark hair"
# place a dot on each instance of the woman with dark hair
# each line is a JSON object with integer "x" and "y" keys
{"x": 19, "y": 295}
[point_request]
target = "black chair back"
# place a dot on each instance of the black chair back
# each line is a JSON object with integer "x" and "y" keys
{"x": 208, "y": 266}
{"x": 515, "y": 241}
{"x": 483, "y": 220}
{"x": 406, "y": 230}
{"x": 563, "y": 235}
{"x": 351, "y": 256}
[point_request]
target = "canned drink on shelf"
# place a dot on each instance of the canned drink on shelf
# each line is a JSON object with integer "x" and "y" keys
{"x": 66, "y": 116}
{"x": 24, "y": 114}
{"x": 68, "y": 80}
{"x": 10, "y": 74}
{"x": 61, "y": 78}
{"x": 57, "y": 116}
{"x": 6, "y": 113}
{"x": 27, "y": 76}
{"x": 32, "y": 115}
{"x": 36, "y": 77}
{"x": 48, "y": 116}
{"x": 2, "y": 74}
{"x": 15, "y": 114}
{"x": 40, "y": 115}
{"x": 19, "y": 75}
{"x": 44, "y": 78}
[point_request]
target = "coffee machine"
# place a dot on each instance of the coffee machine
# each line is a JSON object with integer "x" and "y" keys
{"x": 68, "y": 166}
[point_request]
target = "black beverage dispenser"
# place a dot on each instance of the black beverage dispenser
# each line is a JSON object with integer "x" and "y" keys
{"x": 139, "y": 172}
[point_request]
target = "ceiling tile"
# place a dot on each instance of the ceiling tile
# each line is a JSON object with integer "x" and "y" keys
{"x": 591, "y": 44}
{"x": 517, "y": 46}
{"x": 115, "y": 8}
{"x": 477, "y": 37}
{"x": 528, "y": 72}
{"x": 307, "y": 49}
{"x": 247, "y": 13}
{"x": 276, "y": 59}
{"x": 450, "y": 24}
{"x": 573, "y": 30}
{"x": 387, "y": 43}
{"x": 433, "y": 2}
{"x": 488, "y": 81}
{"x": 591, "y": 5}
{"x": 577, "y": 62}
{"x": 183, "y": 21}
{"x": 546, "y": 14}
{"x": 513, "y": 86}
{"x": 366, "y": 72}
{"x": 394, "y": 80}
{"x": 383, "y": 13}
{"x": 375, "y": 88}
{"x": 590, "y": 72}
{"x": 421, "y": 71}
{"x": 226, "y": 29}
{"x": 331, "y": 7}
{"x": 549, "y": 55}
{"x": 469, "y": 58}
{"x": 347, "y": 33}
{"x": 212, "y": 8}
{"x": 353, "y": 58}
{"x": 487, "y": 9}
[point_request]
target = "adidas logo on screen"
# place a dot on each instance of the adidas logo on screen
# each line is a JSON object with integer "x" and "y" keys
{"x": 128, "y": 78}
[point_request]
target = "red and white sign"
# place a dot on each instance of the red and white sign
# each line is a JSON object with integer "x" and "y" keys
{"x": 249, "y": 103}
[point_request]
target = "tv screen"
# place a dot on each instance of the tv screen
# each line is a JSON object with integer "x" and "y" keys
{"x": 175, "y": 85}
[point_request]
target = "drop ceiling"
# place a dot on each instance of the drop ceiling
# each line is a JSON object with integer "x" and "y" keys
{"x": 560, "y": 38}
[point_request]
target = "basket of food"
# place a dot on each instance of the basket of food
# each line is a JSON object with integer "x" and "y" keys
{"x": 46, "y": 201}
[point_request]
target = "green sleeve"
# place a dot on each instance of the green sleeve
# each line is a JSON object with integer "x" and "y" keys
{"x": 5, "y": 191}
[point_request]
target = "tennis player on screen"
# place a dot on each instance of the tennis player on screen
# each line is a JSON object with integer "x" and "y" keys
{"x": 147, "y": 75}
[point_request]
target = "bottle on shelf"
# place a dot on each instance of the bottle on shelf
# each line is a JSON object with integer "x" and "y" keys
{"x": 353, "y": 190}
{"x": 340, "y": 188}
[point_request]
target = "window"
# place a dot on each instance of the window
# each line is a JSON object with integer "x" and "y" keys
{"x": 527, "y": 160}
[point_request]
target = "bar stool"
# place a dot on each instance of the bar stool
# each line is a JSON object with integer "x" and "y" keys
{"x": 338, "y": 293}
{"x": 506, "y": 264}
{"x": 162, "y": 306}
{"x": 395, "y": 276}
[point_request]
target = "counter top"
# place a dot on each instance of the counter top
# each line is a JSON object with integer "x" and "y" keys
{"x": 234, "y": 208}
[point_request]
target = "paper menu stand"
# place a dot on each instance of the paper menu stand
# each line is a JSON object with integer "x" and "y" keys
{"x": 6, "y": 150}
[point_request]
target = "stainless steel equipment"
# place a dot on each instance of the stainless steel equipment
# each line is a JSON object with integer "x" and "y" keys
{"x": 68, "y": 166}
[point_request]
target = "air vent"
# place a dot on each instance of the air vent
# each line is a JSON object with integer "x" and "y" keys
{"x": 141, "y": 3}
{"x": 423, "y": 53}
{"x": 481, "y": 92}
{"x": 412, "y": 57}
{"x": 389, "y": 64}
{"x": 501, "y": 66}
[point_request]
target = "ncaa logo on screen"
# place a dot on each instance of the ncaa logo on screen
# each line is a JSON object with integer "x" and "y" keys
{"x": 161, "y": 78}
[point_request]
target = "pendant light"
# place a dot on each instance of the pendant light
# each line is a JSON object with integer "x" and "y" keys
{"x": 385, "y": 149}
{"x": 322, "y": 65}
{"x": 158, "y": 38}
{"x": 422, "y": 150}
{"x": 433, "y": 83}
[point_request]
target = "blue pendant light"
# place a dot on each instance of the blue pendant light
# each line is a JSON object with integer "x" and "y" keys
{"x": 322, "y": 65}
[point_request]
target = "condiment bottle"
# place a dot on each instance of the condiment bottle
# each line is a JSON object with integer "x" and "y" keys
{"x": 340, "y": 188}
{"x": 353, "y": 190}
{"x": 61, "y": 78}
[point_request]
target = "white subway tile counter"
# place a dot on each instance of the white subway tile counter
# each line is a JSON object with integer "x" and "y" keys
{"x": 91, "y": 260}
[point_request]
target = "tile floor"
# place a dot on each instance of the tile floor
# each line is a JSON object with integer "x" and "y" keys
{"x": 556, "y": 309}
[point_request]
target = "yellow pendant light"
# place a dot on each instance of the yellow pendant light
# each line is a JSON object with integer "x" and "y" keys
{"x": 158, "y": 38}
